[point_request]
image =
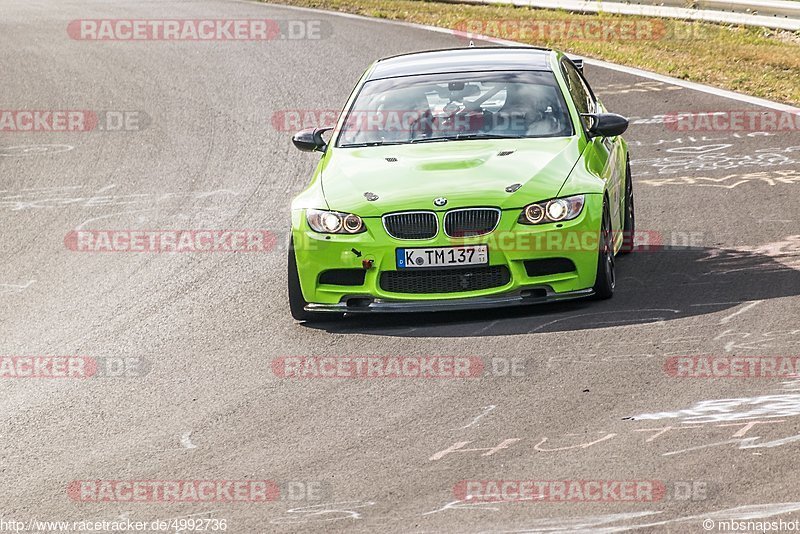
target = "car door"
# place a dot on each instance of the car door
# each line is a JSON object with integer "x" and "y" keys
{"x": 607, "y": 152}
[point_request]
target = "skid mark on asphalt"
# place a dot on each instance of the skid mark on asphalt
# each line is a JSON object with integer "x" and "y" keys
{"x": 730, "y": 181}
{"x": 739, "y": 409}
{"x": 785, "y": 252}
{"x": 486, "y": 410}
{"x": 758, "y": 341}
{"x": 141, "y": 218}
{"x": 465, "y": 505}
{"x": 664, "y": 436}
{"x": 21, "y": 151}
{"x": 744, "y": 443}
{"x": 644, "y": 320}
{"x": 15, "y": 288}
{"x": 61, "y": 197}
{"x": 186, "y": 441}
{"x": 458, "y": 447}
{"x": 701, "y": 159}
{"x": 112, "y": 216}
{"x": 638, "y": 87}
{"x": 698, "y": 149}
{"x": 325, "y": 512}
{"x": 740, "y": 311}
{"x": 594, "y": 524}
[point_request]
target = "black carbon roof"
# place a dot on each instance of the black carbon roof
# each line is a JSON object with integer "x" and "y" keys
{"x": 462, "y": 60}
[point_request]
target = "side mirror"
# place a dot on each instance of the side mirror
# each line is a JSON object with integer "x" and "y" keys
{"x": 606, "y": 124}
{"x": 310, "y": 139}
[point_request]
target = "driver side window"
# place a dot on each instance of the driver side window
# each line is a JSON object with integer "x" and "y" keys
{"x": 580, "y": 92}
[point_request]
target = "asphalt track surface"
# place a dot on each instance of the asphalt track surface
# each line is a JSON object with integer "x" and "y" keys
{"x": 208, "y": 326}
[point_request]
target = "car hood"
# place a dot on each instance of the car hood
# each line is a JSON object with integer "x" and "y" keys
{"x": 466, "y": 173}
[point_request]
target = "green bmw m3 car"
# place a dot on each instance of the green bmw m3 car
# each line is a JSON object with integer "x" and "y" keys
{"x": 462, "y": 179}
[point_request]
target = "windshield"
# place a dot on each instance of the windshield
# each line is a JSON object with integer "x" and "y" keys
{"x": 448, "y": 107}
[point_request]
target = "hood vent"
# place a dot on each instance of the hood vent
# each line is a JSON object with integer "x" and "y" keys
{"x": 391, "y": 160}
{"x": 505, "y": 153}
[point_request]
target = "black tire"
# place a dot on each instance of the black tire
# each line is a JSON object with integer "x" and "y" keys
{"x": 629, "y": 224}
{"x": 606, "y": 277}
{"x": 297, "y": 303}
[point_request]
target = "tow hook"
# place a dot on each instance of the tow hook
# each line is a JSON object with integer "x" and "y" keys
{"x": 367, "y": 264}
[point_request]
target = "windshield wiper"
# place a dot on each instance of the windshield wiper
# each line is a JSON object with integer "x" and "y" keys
{"x": 482, "y": 135}
{"x": 372, "y": 143}
{"x": 462, "y": 136}
{"x": 457, "y": 137}
{"x": 430, "y": 139}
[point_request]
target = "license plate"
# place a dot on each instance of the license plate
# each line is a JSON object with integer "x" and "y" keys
{"x": 408, "y": 258}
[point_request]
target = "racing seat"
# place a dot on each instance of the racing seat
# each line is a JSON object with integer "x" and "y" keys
{"x": 404, "y": 114}
{"x": 527, "y": 111}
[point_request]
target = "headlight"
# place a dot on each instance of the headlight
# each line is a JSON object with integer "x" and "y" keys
{"x": 333, "y": 222}
{"x": 556, "y": 210}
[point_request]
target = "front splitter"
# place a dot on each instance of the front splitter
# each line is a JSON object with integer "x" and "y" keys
{"x": 518, "y": 298}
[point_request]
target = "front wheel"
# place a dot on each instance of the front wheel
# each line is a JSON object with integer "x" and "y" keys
{"x": 606, "y": 277}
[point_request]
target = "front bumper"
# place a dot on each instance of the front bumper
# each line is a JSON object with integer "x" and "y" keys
{"x": 510, "y": 245}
